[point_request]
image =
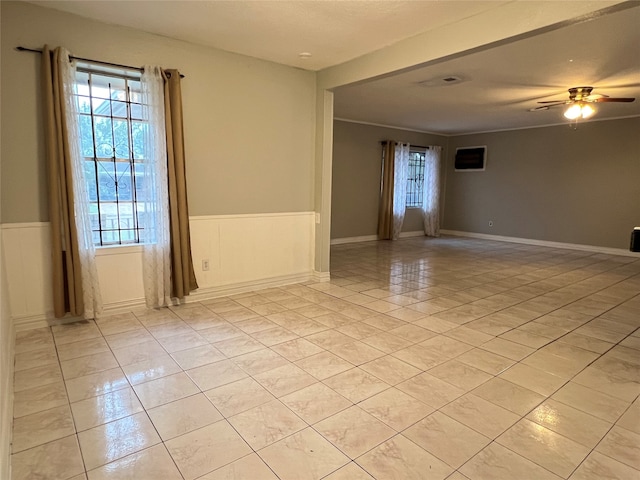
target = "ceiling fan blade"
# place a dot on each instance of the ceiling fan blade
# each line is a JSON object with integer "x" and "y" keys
{"x": 594, "y": 97}
{"x": 556, "y": 102}
{"x": 543, "y": 107}
{"x": 609, "y": 99}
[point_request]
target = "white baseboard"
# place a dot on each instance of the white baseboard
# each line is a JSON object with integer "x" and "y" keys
{"x": 371, "y": 238}
{"x": 321, "y": 276}
{"x": 544, "y": 243}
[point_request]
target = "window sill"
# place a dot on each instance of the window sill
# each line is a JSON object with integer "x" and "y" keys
{"x": 119, "y": 249}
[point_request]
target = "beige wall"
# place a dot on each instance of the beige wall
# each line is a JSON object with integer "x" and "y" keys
{"x": 356, "y": 177}
{"x": 556, "y": 184}
{"x": 249, "y": 124}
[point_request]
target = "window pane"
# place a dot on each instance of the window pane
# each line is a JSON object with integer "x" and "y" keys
{"x": 90, "y": 178}
{"x": 138, "y": 130}
{"x": 119, "y": 109}
{"x": 124, "y": 183}
{"x": 84, "y": 104}
{"x": 106, "y": 183}
{"x": 136, "y": 111}
{"x": 86, "y": 136}
{"x": 103, "y": 137}
{"x": 121, "y": 138}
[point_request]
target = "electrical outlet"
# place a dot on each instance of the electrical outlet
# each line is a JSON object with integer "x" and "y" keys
{"x": 205, "y": 265}
{"x": 491, "y": 223}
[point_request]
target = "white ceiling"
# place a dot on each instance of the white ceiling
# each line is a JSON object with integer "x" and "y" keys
{"x": 499, "y": 84}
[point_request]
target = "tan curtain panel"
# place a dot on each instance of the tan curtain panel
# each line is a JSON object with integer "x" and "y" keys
{"x": 385, "y": 212}
{"x": 183, "y": 277}
{"x": 65, "y": 256}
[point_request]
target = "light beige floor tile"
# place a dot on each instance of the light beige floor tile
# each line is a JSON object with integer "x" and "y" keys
{"x": 386, "y": 342}
{"x": 284, "y": 380}
{"x": 183, "y": 416}
{"x": 447, "y": 439}
{"x": 358, "y": 330}
{"x": 99, "y": 383}
{"x": 412, "y": 333}
{"x": 138, "y": 353}
{"x": 260, "y": 361}
{"x": 480, "y": 415}
{"x": 420, "y": 356}
{"x": 274, "y": 336}
{"x": 57, "y": 459}
{"x": 354, "y": 431}
{"x": 165, "y": 390}
{"x": 528, "y": 377}
{"x": 157, "y": 367}
{"x": 305, "y": 455}
{"x": 80, "y": 367}
{"x": 586, "y": 342}
{"x": 220, "y": 332}
{"x": 486, "y": 361}
{"x": 390, "y": 370}
{"x": 197, "y": 357}
{"x": 459, "y": 374}
{"x": 266, "y": 424}
{"x": 508, "y": 349}
{"x": 399, "y": 458}
{"x": 554, "y": 364}
{"x": 329, "y": 338}
{"x": 631, "y": 419}
{"x": 356, "y": 384}
{"x": 396, "y": 408}
{"x": 249, "y": 467}
{"x": 183, "y": 341}
{"x": 238, "y": 396}
{"x": 622, "y": 445}
{"x": 469, "y": 335}
{"x": 571, "y": 423}
{"x": 350, "y": 471}
{"x": 591, "y": 401}
{"x": 315, "y": 402}
{"x": 253, "y": 325}
{"x": 296, "y": 349}
{"x": 357, "y": 352}
{"x": 239, "y": 345}
{"x": 128, "y": 339}
{"x": 69, "y": 351}
{"x": 598, "y": 466}
{"x": 430, "y": 390}
{"x": 35, "y": 358}
{"x": 216, "y": 374}
{"x": 35, "y": 339}
{"x": 42, "y": 427}
{"x": 548, "y": 449}
{"x": 207, "y": 449}
{"x": 36, "y": 377}
{"x": 37, "y": 399}
{"x": 74, "y": 332}
{"x": 508, "y": 395}
{"x": 324, "y": 365}
{"x": 151, "y": 463}
{"x": 111, "y": 441}
{"x": 608, "y": 383}
{"x": 498, "y": 463}
{"x": 106, "y": 408}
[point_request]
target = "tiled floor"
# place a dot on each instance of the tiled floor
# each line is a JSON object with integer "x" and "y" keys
{"x": 421, "y": 359}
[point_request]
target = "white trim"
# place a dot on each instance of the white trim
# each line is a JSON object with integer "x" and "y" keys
{"x": 364, "y": 238}
{"x": 390, "y": 126}
{"x": 250, "y": 215}
{"x": 10, "y": 226}
{"x": 544, "y": 243}
{"x": 373, "y": 238}
{"x": 321, "y": 276}
{"x": 118, "y": 249}
{"x": 415, "y": 233}
{"x": 242, "y": 287}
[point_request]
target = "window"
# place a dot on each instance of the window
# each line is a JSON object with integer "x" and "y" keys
{"x": 415, "y": 179}
{"x": 112, "y": 143}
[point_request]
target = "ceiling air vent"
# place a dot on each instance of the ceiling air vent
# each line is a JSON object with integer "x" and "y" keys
{"x": 440, "y": 81}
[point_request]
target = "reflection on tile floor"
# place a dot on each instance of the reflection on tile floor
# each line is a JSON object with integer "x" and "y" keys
{"x": 420, "y": 359}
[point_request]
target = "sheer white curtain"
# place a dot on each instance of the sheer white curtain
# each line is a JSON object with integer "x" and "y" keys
{"x": 431, "y": 192}
{"x": 154, "y": 201}
{"x": 90, "y": 283}
{"x": 400, "y": 174}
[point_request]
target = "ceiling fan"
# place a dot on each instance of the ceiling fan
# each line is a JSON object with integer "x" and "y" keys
{"x": 579, "y": 100}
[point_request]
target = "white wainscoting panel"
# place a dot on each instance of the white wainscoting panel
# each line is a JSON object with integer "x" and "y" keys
{"x": 244, "y": 252}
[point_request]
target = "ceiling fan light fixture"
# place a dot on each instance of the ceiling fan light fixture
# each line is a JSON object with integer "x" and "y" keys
{"x": 579, "y": 110}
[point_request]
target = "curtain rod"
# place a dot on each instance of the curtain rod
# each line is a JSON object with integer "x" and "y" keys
{"x": 34, "y": 50}
{"x": 384, "y": 142}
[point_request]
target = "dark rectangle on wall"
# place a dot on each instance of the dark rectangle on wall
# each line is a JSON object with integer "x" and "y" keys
{"x": 470, "y": 158}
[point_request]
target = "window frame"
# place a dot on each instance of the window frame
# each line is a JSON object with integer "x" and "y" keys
{"x": 422, "y": 152}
